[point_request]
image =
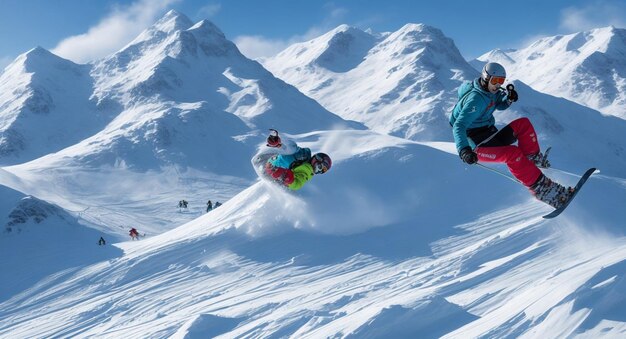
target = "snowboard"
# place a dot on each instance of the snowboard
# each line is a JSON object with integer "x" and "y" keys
{"x": 577, "y": 188}
{"x": 259, "y": 159}
{"x": 258, "y": 163}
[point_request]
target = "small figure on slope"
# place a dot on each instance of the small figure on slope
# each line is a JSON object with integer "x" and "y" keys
{"x": 209, "y": 206}
{"x": 477, "y": 138}
{"x": 134, "y": 235}
{"x": 293, "y": 166}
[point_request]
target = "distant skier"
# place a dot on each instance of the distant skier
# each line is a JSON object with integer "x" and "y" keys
{"x": 101, "y": 242}
{"x": 218, "y": 204}
{"x": 209, "y": 206}
{"x": 134, "y": 235}
{"x": 477, "y": 138}
{"x": 294, "y": 166}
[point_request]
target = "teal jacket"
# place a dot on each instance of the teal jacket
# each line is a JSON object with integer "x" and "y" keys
{"x": 288, "y": 160}
{"x": 290, "y": 155}
{"x": 474, "y": 109}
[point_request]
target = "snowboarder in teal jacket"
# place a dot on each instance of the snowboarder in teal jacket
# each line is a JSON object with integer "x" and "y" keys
{"x": 477, "y": 138}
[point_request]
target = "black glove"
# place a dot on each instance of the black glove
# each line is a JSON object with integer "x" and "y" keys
{"x": 512, "y": 97}
{"x": 468, "y": 156}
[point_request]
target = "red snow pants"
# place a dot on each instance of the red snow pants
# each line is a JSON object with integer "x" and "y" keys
{"x": 497, "y": 146}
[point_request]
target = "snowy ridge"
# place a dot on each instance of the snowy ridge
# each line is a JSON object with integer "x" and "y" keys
{"x": 38, "y": 90}
{"x": 431, "y": 70}
{"x": 402, "y": 85}
{"x": 173, "y": 62}
{"x": 586, "y": 67}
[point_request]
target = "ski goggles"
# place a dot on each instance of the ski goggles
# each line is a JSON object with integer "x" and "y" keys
{"x": 319, "y": 165}
{"x": 320, "y": 168}
{"x": 497, "y": 80}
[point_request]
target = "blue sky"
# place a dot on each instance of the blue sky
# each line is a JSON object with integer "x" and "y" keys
{"x": 82, "y": 30}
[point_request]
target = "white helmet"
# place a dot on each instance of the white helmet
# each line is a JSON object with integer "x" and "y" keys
{"x": 492, "y": 77}
{"x": 492, "y": 69}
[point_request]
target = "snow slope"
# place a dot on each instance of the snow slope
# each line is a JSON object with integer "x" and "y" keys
{"x": 40, "y": 239}
{"x": 357, "y": 253}
{"x": 587, "y": 67}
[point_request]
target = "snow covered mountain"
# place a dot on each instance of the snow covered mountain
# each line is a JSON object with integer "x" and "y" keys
{"x": 176, "y": 60}
{"x": 185, "y": 103}
{"x": 587, "y": 67}
{"x": 399, "y": 83}
{"x": 177, "y": 79}
{"x": 399, "y": 239}
{"x": 39, "y": 92}
{"x": 422, "y": 70}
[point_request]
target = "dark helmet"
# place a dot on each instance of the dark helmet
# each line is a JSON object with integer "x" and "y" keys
{"x": 493, "y": 70}
{"x": 321, "y": 163}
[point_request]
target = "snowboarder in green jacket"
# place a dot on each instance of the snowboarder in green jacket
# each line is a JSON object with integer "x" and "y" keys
{"x": 297, "y": 167}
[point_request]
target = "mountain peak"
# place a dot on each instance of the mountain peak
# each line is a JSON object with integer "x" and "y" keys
{"x": 39, "y": 59}
{"x": 598, "y": 56}
{"x": 38, "y": 51}
{"x": 497, "y": 55}
{"x": 613, "y": 37}
{"x": 173, "y": 21}
{"x": 390, "y": 74}
{"x": 420, "y": 28}
{"x": 413, "y": 27}
{"x": 207, "y": 28}
{"x": 343, "y": 28}
{"x": 345, "y": 49}
{"x": 415, "y": 36}
{"x": 607, "y": 29}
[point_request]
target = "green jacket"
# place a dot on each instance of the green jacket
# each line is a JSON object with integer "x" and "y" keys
{"x": 301, "y": 174}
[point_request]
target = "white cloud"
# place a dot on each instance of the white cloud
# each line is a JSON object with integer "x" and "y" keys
{"x": 255, "y": 47}
{"x": 593, "y": 15}
{"x": 336, "y": 13}
{"x": 209, "y": 10}
{"x": 258, "y": 47}
{"x": 112, "y": 32}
